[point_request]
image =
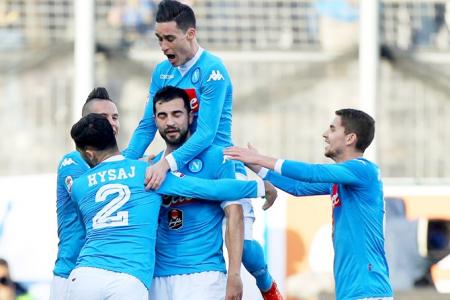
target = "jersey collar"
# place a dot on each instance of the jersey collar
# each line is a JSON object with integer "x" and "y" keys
{"x": 114, "y": 158}
{"x": 188, "y": 65}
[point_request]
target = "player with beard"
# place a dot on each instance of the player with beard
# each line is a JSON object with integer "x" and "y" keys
{"x": 189, "y": 258}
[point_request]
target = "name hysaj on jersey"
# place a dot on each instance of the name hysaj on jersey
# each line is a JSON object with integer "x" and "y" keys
{"x": 111, "y": 175}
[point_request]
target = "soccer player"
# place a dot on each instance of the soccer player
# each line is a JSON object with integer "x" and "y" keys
{"x": 204, "y": 76}
{"x": 354, "y": 183}
{"x": 189, "y": 258}
{"x": 71, "y": 232}
{"x": 121, "y": 217}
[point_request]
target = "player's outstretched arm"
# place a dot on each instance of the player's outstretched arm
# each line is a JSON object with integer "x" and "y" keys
{"x": 234, "y": 240}
{"x": 178, "y": 184}
{"x": 250, "y": 156}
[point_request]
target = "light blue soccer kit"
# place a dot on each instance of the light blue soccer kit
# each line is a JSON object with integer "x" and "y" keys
{"x": 121, "y": 217}
{"x": 207, "y": 77}
{"x": 71, "y": 231}
{"x": 360, "y": 266}
{"x": 190, "y": 230}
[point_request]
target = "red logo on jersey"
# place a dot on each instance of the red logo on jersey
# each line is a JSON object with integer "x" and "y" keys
{"x": 193, "y": 100}
{"x": 335, "y": 200}
{"x": 175, "y": 219}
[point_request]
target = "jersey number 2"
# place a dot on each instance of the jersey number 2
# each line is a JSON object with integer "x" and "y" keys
{"x": 104, "y": 217}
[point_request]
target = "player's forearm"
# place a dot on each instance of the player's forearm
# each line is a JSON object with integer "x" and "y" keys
{"x": 234, "y": 238}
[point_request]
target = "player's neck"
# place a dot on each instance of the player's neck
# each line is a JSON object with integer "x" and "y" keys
{"x": 349, "y": 155}
{"x": 104, "y": 155}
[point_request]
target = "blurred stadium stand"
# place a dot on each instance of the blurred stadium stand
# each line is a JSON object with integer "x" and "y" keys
{"x": 293, "y": 63}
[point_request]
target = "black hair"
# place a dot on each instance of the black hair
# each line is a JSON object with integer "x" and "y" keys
{"x": 360, "y": 123}
{"x": 95, "y": 131}
{"x": 98, "y": 93}
{"x": 169, "y": 93}
{"x": 182, "y": 14}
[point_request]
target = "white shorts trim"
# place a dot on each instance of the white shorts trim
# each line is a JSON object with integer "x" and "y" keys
{"x": 58, "y": 288}
{"x": 98, "y": 284}
{"x": 209, "y": 285}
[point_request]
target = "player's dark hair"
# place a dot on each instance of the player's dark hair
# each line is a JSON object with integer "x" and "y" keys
{"x": 95, "y": 131}
{"x": 98, "y": 93}
{"x": 4, "y": 262}
{"x": 182, "y": 14}
{"x": 169, "y": 93}
{"x": 360, "y": 123}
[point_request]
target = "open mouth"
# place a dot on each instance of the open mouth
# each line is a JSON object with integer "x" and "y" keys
{"x": 170, "y": 56}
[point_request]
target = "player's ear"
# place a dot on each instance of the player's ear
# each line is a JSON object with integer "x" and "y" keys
{"x": 191, "y": 117}
{"x": 191, "y": 33}
{"x": 351, "y": 139}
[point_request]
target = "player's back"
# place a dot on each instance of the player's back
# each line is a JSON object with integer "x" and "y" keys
{"x": 120, "y": 218}
{"x": 190, "y": 230}
{"x": 71, "y": 231}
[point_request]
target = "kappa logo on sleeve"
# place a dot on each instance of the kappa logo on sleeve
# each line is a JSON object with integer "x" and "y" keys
{"x": 215, "y": 76}
{"x": 67, "y": 162}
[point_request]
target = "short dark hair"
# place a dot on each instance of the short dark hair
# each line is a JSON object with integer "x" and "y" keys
{"x": 98, "y": 93}
{"x": 95, "y": 131}
{"x": 360, "y": 123}
{"x": 182, "y": 14}
{"x": 169, "y": 93}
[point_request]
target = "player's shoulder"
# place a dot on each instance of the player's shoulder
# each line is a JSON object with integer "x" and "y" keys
{"x": 212, "y": 155}
{"x": 362, "y": 166}
{"x": 209, "y": 61}
{"x": 72, "y": 161}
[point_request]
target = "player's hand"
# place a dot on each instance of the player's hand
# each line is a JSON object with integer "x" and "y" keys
{"x": 271, "y": 195}
{"x": 234, "y": 287}
{"x": 156, "y": 174}
{"x": 247, "y": 155}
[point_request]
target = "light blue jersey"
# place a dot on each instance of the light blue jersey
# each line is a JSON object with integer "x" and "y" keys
{"x": 71, "y": 231}
{"x": 190, "y": 230}
{"x": 206, "y": 74}
{"x": 360, "y": 266}
{"x": 121, "y": 218}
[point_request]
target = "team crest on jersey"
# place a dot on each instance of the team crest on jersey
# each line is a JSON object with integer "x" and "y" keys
{"x": 195, "y": 165}
{"x": 195, "y": 77}
{"x": 175, "y": 218}
{"x": 335, "y": 199}
{"x": 68, "y": 182}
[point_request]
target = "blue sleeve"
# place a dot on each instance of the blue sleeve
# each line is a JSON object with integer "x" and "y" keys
{"x": 340, "y": 173}
{"x": 297, "y": 188}
{"x": 69, "y": 169}
{"x": 212, "y": 98}
{"x": 144, "y": 134}
{"x": 208, "y": 189}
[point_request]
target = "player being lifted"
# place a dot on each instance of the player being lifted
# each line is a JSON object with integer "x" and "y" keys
{"x": 203, "y": 75}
